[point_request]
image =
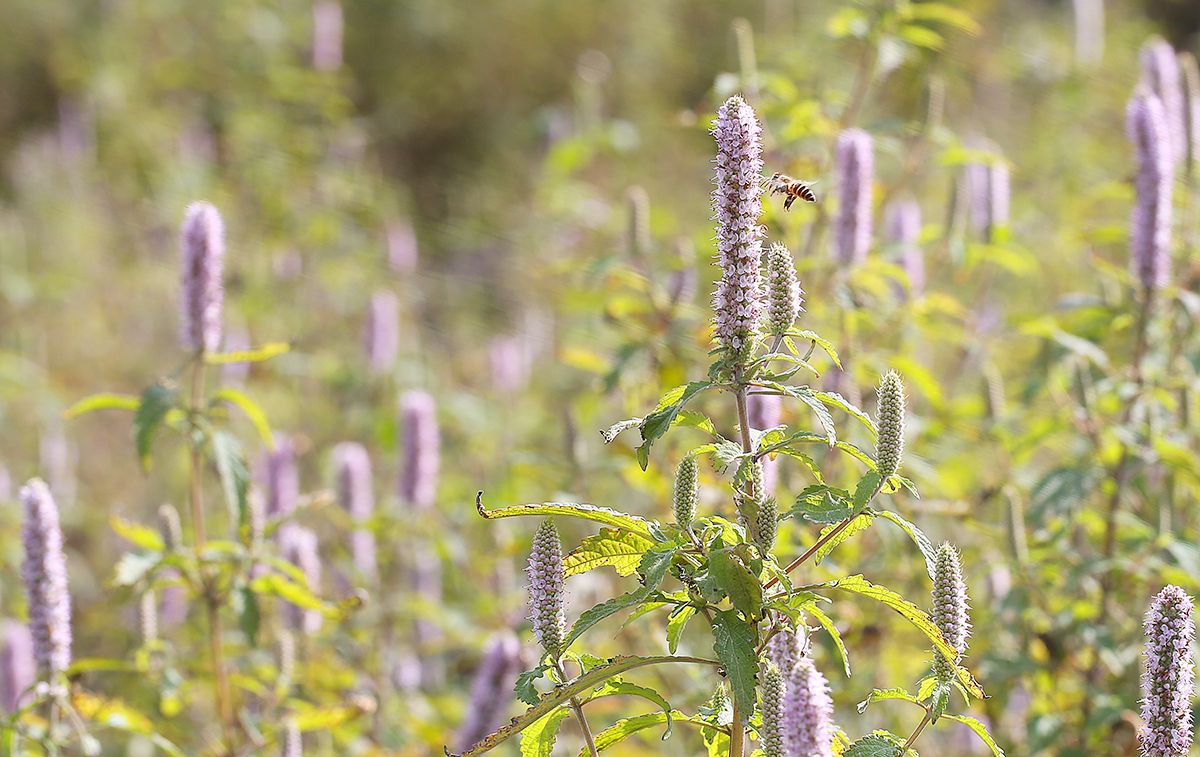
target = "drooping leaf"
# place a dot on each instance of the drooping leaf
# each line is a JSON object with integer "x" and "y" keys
{"x": 133, "y": 566}
{"x": 293, "y": 592}
{"x": 251, "y": 409}
{"x": 827, "y": 623}
{"x": 234, "y": 475}
{"x": 879, "y": 695}
{"x": 621, "y": 549}
{"x": 538, "y": 739}
{"x": 572, "y": 509}
{"x": 917, "y": 535}
{"x": 676, "y": 624}
{"x": 823, "y": 343}
{"x": 833, "y": 399}
{"x": 653, "y": 569}
{"x": 626, "y": 727}
{"x": 617, "y": 687}
{"x": 737, "y": 581}
{"x": 610, "y": 433}
{"x": 656, "y": 423}
{"x": 256, "y": 355}
{"x": 858, "y": 523}
{"x": 136, "y": 534}
{"x": 980, "y": 730}
{"x": 733, "y": 641}
{"x": 102, "y": 401}
{"x": 156, "y": 401}
{"x": 525, "y": 689}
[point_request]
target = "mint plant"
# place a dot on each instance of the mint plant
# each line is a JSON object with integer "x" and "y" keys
{"x": 722, "y": 567}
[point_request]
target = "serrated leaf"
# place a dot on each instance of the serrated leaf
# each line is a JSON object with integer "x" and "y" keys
{"x": 669, "y": 406}
{"x": 823, "y": 343}
{"x": 939, "y": 700}
{"x": 865, "y": 490}
{"x": 525, "y": 689}
{"x": 137, "y": 534}
{"x": 980, "y": 730}
{"x": 101, "y": 401}
{"x": 675, "y": 625}
{"x": 617, "y": 687}
{"x": 859, "y": 523}
{"x": 155, "y": 403}
{"x": 879, "y": 695}
{"x": 621, "y": 549}
{"x": 653, "y": 569}
{"x": 876, "y": 744}
{"x": 805, "y": 395}
{"x": 252, "y": 411}
{"x": 733, "y": 641}
{"x": 736, "y": 581}
{"x": 822, "y": 504}
{"x": 538, "y": 739}
{"x": 827, "y": 623}
{"x": 291, "y": 591}
{"x": 833, "y": 399}
{"x": 917, "y": 535}
{"x": 626, "y": 727}
{"x": 249, "y": 616}
{"x": 595, "y": 513}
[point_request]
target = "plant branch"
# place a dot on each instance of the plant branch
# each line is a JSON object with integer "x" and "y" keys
{"x": 912, "y": 739}
{"x": 577, "y": 708}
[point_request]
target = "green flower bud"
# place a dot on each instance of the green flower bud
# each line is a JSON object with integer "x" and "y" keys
{"x": 890, "y": 420}
{"x": 784, "y": 296}
{"x": 770, "y": 735}
{"x": 950, "y": 611}
{"x": 687, "y": 486}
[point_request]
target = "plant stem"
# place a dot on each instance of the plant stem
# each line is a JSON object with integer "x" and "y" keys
{"x": 211, "y": 597}
{"x": 917, "y": 732}
{"x": 579, "y": 716}
{"x": 737, "y": 733}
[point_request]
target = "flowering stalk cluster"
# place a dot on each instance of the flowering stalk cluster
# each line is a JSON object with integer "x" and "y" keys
{"x": 203, "y": 247}
{"x": 855, "y": 169}
{"x": 299, "y": 547}
{"x": 1169, "y": 676}
{"x": 1150, "y": 224}
{"x": 784, "y": 297}
{"x": 381, "y": 336}
{"x": 352, "y": 467}
{"x": 770, "y": 735}
{"x": 902, "y": 224}
{"x": 419, "y": 471}
{"x": 45, "y": 575}
{"x": 687, "y": 488}
{"x": 1161, "y": 75}
{"x": 808, "y": 712}
{"x": 283, "y": 478}
{"x": 889, "y": 445}
{"x": 950, "y": 611}
{"x": 545, "y": 573}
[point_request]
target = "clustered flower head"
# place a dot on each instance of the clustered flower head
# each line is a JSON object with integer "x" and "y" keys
{"x": 784, "y": 297}
{"x": 381, "y": 336}
{"x": 687, "y": 487}
{"x": 491, "y": 689}
{"x": 545, "y": 575}
{"x": 784, "y": 648}
{"x": 1161, "y": 75}
{"x": 989, "y": 187}
{"x": 757, "y": 513}
{"x": 770, "y": 735}
{"x": 808, "y": 712}
{"x": 45, "y": 575}
{"x": 352, "y": 466}
{"x": 950, "y": 611}
{"x": 1150, "y": 224}
{"x": 737, "y": 301}
{"x": 203, "y": 248}
{"x": 299, "y": 547}
{"x": 283, "y": 478}
{"x": 419, "y": 472}
{"x": 902, "y": 224}
{"x": 17, "y": 671}
{"x": 510, "y": 359}
{"x": 889, "y": 445}
{"x": 327, "y": 35}
{"x": 1169, "y": 675}
{"x": 293, "y": 740}
{"x": 854, "y": 165}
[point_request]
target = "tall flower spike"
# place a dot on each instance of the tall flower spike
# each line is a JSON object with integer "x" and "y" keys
{"x": 203, "y": 258}
{"x": 1191, "y": 110}
{"x": 510, "y": 359}
{"x": 17, "y": 671}
{"x": 491, "y": 689}
{"x": 770, "y": 736}
{"x": 737, "y": 301}
{"x": 45, "y": 575}
{"x": 1160, "y": 74}
{"x": 687, "y": 487}
{"x": 148, "y": 616}
{"x": 352, "y": 467}
{"x": 418, "y": 476}
{"x": 889, "y": 445}
{"x": 327, "y": 35}
{"x": 1169, "y": 675}
{"x": 950, "y": 611}
{"x": 784, "y": 296}
{"x": 381, "y": 335}
{"x": 784, "y": 648}
{"x": 1150, "y": 223}
{"x": 902, "y": 224}
{"x": 545, "y": 574}
{"x": 808, "y": 712}
{"x": 855, "y": 168}
{"x": 283, "y": 478}
{"x": 402, "y": 250}
{"x": 293, "y": 740}
{"x": 299, "y": 547}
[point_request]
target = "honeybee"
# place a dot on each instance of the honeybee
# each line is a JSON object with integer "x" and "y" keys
{"x": 793, "y": 188}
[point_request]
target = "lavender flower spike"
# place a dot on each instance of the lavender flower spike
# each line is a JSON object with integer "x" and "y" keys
{"x": 770, "y": 736}
{"x": 491, "y": 689}
{"x": 808, "y": 712}
{"x": 381, "y": 337}
{"x": 737, "y": 301}
{"x": 766, "y": 412}
{"x": 1190, "y": 71}
{"x": 327, "y": 35}
{"x": 1169, "y": 676}
{"x": 293, "y": 740}
{"x": 784, "y": 296}
{"x": 545, "y": 574}
{"x": 299, "y": 547}
{"x": 45, "y": 575}
{"x": 950, "y": 611}
{"x": 419, "y": 473}
{"x": 1150, "y": 223}
{"x": 282, "y": 478}
{"x": 855, "y": 168}
{"x": 902, "y": 224}
{"x": 16, "y": 665}
{"x": 889, "y": 444}
{"x": 352, "y": 467}
{"x": 203, "y": 257}
{"x": 1160, "y": 74}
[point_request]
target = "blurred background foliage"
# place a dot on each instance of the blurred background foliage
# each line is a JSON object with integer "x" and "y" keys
{"x": 498, "y": 144}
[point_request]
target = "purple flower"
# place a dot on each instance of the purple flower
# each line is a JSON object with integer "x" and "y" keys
{"x": 1191, "y": 111}
{"x": 1150, "y": 223}
{"x": 902, "y": 225}
{"x": 203, "y": 257}
{"x": 1169, "y": 675}
{"x": 951, "y": 613}
{"x": 352, "y": 466}
{"x": 1089, "y": 31}
{"x": 419, "y": 472}
{"x": 402, "y": 250}
{"x": 173, "y": 604}
{"x": 784, "y": 296}
{"x": 327, "y": 35}
{"x": 737, "y": 301}
{"x": 381, "y": 337}
{"x": 282, "y": 477}
{"x": 854, "y": 166}
{"x": 785, "y": 647}
{"x": 770, "y": 735}
{"x": 545, "y": 575}
{"x": 299, "y": 547}
{"x": 1160, "y": 75}
{"x": 236, "y": 340}
{"x": 17, "y": 671}
{"x": 491, "y": 689}
{"x": 988, "y": 187}
{"x": 510, "y": 359}
{"x": 808, "y": 712}
{"x": 45, "y": 575}
{"x": 293, "y": 740}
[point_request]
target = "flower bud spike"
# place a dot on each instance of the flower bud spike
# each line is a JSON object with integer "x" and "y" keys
{"x": 545, "y": 573}
{"x": 889, "y": 446}
{"x": 1169, "y": 675}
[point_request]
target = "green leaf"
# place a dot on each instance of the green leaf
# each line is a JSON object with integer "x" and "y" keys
{"x": 805, "y": 395}
{"x": 879, "y": 695}
{"x": 626, "y": 727}
{"x": 293, "y": 592}
{"x": 137, "y": 534}
{"x": 617, "y": 687}
{"x": 572, "y": 509}
{"x": 676, "y": 624}
{"x": 562, "y": 694}
{"x": 156, "y": 401}
{"x": 249, "y": 617}
{"x": 940, "y": 700}
{"x": 917, "y": 535}
{"x": 859, "y": 523}
{"x": 610, "y": 433}
{"x": 653, "y": 569}
{"x": 525, "y": 688}
{"x": 867, "y": 486}
{"x": 823, "y": 343}
{"x": 256, "y": 355}
{"x": 822, "y": 504}
{"x": 831, "y": 629}
{"x": 252, "y": 411}
{"x": 833, "y": 399}
{"x": 538, "y": 739}
{"x": 669, "y": 406}
{"x": 876, "y": 744}
{"x": 733, "y": 641}
{"x": 621, "y": 549}
{"x": 234, "y": 475}
{"x": 737, "y": 581}
{"x": 980, "y": 730}
{"x": 943, "y": 13}
{"x": 696, "y": 419}
{"x": 102, "y": 401}
{"x": 914, "y": 615}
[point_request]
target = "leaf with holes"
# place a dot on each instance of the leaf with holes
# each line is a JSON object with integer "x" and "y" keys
{"x": 621, "y": 549}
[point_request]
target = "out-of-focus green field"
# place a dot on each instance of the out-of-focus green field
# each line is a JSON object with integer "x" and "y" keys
{"x": 498, "y": 143}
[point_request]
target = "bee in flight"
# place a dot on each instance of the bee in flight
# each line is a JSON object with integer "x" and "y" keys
{"x": 793, "y": 188}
